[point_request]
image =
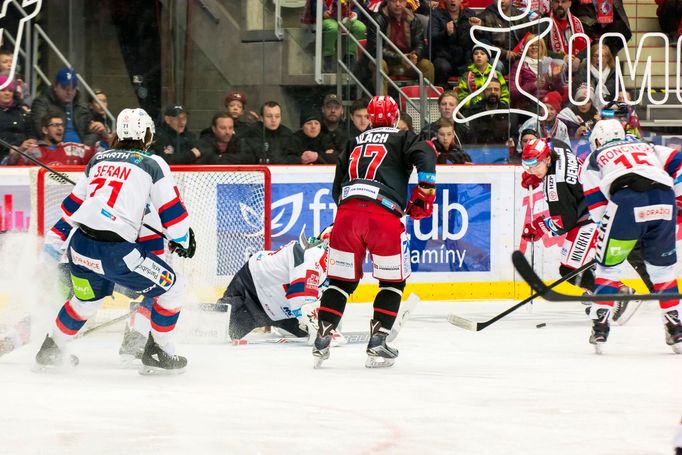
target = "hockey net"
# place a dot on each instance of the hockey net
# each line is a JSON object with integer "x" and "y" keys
{"x": 229, "y": 209}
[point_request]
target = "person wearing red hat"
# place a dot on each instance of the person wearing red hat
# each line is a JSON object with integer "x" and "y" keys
{"x": 235, "y": 105}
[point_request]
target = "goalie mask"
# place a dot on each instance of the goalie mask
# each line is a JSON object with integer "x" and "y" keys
{"x": 132, "y": 124}
{"x": 383, "y": 111}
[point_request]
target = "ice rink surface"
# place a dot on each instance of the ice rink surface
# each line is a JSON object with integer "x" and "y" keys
{"x": 509, "y": 389}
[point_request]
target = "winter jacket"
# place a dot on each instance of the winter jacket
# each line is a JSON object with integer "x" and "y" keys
{"x": 455, "y": 48}
{"x": 414, "y": 34}
{"x": 474, "y": 79}
{"x": 15, "y": 128}
{"x": 81, "y": 115}
{"x": 268, "y": 146}
{"x": 322, "y": 144}
{"x": 491, "y": 129}
{"x": 504, "y": 40}
{"x": 173, "y": 147}
{"x": 528, "y": 81}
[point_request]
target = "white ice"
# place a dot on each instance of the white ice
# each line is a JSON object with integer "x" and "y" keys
{"x": 509, "y": 389}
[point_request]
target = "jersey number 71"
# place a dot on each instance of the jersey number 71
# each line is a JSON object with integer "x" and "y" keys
{"x": 366, "y": 159}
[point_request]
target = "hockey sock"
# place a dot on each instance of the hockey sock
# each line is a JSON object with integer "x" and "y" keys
{"x": 387, "y": 304}
{"x": 141, "y": 320}
{"x": 71, "y": 318}
{"x": 333, "y": 301}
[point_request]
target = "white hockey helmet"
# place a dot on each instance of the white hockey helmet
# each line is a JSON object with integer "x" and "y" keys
{"x": 133, "y": 124}
{"x": 606, "y": 131}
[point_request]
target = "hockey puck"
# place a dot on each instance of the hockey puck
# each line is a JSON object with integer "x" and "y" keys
{"x": 541, "y": 325}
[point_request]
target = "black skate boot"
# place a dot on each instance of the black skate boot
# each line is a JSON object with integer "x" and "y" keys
{"x": 157, "y": 361}
{"x": 379, "y": 354}
{"x": 622, "y": 309}
{"x": 673, "y": 331}
{"x": 322, "y": 343}
{"x": 50, "y": 356}
{"x": 132, "y": 346}
{"x": 600, "y": 329}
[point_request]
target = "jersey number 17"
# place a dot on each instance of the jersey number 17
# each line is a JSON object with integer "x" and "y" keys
{"x": 366, "y": 159}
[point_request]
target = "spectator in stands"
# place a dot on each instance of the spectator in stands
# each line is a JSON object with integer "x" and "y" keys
{"x": 491, "y": 129}
{"x": 359, "y": 118}
{"x": 15, "y": 127}
{"x": 449, "y": 151}
{"x": 309, "y": 145}
{"x": 538, "y": 75}
{"x": 172, "y": 141}
{"x": 405, "y": 122}
{"x": 330, "y": 30}
{"x": 506, "y": 41}
{"x": 450, "y": 40}
{"x": 65, "y": 97}
{"x": 447, "y": 102}
{"x": 6, "y": 60}
{"x": 423, "y": 11}
{"x": 551, "y": 127}
{"x": 51, "y": 149}
{"x": 407, "y": 33}
{"x": 332, "y": 115}
{"x": 580, "y": 119}
{"x": 235, "y": 105}
{"x": 610, "y": 17}
{"x": 97, "y": 108}
{"x": 221, "y": 146}
{"x": 669, "y": 14}
{"x": 603, "y": 83}
{"x": 565, "y": 25}
{"x": 267, "y": 140}
{"x": 477, "y": 75}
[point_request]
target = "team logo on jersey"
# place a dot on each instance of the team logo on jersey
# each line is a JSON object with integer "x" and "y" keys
{"x": 552, "y": 194}
{"x": 166, "y": 279}
{"x": 135, "y": 158}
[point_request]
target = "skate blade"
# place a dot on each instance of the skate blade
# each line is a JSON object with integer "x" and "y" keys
{"x": 54, "y": 369}
{"x": 147, "y": 370}
{"x": 374, "y": 361}
{"x": 128, "y": 361}
{"x": 598, "y": 348}
{"x": 317, "y": 362}
{"x": 629, "y": 312}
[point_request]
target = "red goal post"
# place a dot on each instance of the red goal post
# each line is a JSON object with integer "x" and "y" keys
{"x": 229, "y": 209}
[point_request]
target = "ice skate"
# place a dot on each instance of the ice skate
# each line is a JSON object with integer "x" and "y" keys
{"x": 50, "y": 356}
{"x": 673, "y": 331}
{"x": 379, "y": 354}
{"x": 623, "y": 310}
{"x": 156, "y": 361}
{"x": 600, "y": 330}
{"x": 322, "y": 344}
{"x": 132, "y": 346}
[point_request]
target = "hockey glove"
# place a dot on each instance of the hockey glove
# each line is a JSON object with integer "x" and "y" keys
{"x": 421, "y": 202}
{"x": 535, "y": 230}
{"x": 528, "y": 180}
{"x": 180, "y": 250}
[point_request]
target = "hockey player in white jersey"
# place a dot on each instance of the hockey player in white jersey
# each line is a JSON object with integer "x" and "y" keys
{"x": 633, "y": 190}
{"x": 280, "y": 289}
{"x": 106, "y": 209}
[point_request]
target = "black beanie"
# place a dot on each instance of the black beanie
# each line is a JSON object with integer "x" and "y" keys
{"x": 310, "y": 113}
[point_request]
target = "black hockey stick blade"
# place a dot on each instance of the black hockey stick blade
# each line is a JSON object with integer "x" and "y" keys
{"x": 477, "y": 326}
{"x": 534, "y": 281}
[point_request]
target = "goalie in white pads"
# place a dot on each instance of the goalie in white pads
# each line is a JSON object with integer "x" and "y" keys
{"x": 106, "y": 209}
{"x": 631, "y": 189}
{"x": 280, "y": 289}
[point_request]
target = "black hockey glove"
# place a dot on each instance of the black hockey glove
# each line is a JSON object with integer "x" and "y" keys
{"x": 184, "y": 252}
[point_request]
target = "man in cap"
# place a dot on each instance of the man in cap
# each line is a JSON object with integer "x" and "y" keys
{"x": 332, "y": 114}
{"x": 172, "y": 141}
{"x": 64, "y": 97}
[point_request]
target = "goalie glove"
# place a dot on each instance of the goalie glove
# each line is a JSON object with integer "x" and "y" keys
{"x": 181, "y": 251}
{"x": 421, "y": 202}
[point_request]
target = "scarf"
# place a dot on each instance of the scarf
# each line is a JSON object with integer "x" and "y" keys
{"x": 604, "y": 10}
{"x": 557, "y": 39}
{"x": 532, "y": 64}
{"x": 600, "y": 79}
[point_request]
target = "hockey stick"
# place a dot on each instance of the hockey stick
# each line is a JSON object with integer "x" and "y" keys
{"x": 59, "y": 177}
{"x": 531, "y": 207}
{"x": 527, "y": 273}
{"x": 351, "y": 338}
{"x": 108, "y": 323}
{"x": 477, "y": 326}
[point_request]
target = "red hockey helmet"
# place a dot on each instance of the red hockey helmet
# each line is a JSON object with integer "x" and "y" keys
{"x": 534, "y": 152}
{"x": 383, "y": 111}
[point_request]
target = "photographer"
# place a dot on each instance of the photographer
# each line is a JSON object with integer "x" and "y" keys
{"x": 580, "y": 119}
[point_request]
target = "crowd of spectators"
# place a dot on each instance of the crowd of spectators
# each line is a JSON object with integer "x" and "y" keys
{"x": 432, "y": 36}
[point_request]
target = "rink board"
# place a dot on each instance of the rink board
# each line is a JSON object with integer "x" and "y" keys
{"x": 462, "y": 252}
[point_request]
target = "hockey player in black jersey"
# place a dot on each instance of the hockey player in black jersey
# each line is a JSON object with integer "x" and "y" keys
{"x": 556, "y": 167}
{"x": 370, "y": 189}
